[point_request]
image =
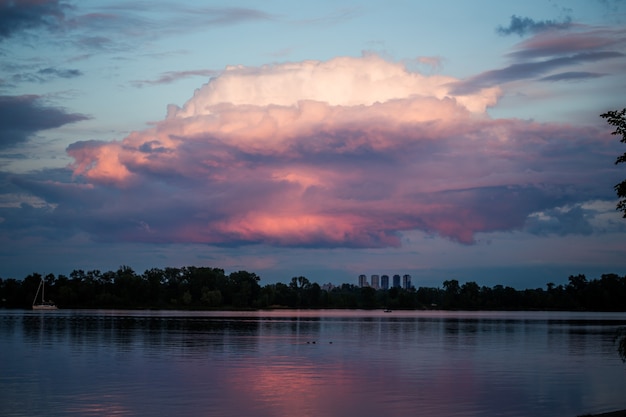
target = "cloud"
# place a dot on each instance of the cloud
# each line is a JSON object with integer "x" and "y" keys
{"x": 350, "y": 152}
{"x": 103, "y": 26}
{"x": 525, "y": 25}
{"x": 60, "y": 72}
{"x": 173, "y": 76}
{"x": 17, "y": 16}
{"x": 560, "y": 221}
{"x": 44, "y": 75}
{"x": 550, "y": 55}
{"x": 23, "y": 116}
{"x": 529, "y": 70}
{"x": 579, "y": 218}
{"x": 114, "y": 27}
{"x": 228, "y": 15}
{"x": 572, "y": 76}
{"x": 341, "y": 81}
{"x": 576, "y": 41}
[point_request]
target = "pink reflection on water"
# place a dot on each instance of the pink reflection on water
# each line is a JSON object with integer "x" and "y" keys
{"x": 345, "y": 388}
{"x": 98, "y": 406}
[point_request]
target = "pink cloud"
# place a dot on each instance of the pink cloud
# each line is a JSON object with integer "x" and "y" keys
{"x": 349, "y": 152}
{"x": 582, "y": 39}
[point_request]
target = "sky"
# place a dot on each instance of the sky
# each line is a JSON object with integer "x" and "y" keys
{"x": 445, "y": 140}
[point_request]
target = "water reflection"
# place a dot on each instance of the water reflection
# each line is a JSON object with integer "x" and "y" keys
{"x": 144, "y": 333}
{"x": 308, "y": 364}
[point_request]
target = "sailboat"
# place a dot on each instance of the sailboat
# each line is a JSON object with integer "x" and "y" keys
{"x": 43, "y": 305}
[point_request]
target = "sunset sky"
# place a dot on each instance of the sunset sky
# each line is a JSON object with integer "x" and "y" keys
{"x": 446, "y": 140}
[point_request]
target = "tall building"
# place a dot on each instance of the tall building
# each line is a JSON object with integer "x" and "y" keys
{"x": 363, "y": 281}
{"x": 375, "y": 283}
{"x": 396, "y": 281}
{"x": 384, "y": 282}
{"x": 406, "y": 281}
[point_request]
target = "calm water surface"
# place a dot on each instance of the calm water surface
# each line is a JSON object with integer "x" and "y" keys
{"x": 309, "y": 363}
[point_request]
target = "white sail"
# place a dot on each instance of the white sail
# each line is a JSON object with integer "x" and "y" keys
{"x": 43, "y": 304}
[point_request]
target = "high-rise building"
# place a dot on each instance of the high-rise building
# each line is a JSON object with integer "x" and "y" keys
{"x": 363, "y": 281}
{"x": 384, "y": 282}
{"x": 396, "y": 281}
{"x": 406, "y": 281}
{"x": 375, "y": 283}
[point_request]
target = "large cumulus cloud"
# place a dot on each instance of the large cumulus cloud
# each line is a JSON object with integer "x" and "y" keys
{"x": 349, "y": 152}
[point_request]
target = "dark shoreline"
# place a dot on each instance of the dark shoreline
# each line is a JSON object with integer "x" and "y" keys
{"x": 619, "y": 413}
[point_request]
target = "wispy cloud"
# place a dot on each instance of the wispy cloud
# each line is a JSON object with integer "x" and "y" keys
{"x": 116, "y": 26}
{"x": 525, "y": 25}
{"x": 548, "y": 54}
{"x": 572, "y": 76}
{"x": 19, "y": 16}
{"x": 45, "y": 74}
{"x": 157, "y": 19}
{"x": 530, "y": 70}
{"x": 173, "y": 76}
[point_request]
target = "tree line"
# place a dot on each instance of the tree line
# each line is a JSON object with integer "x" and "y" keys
{"x": 206, "y": 288}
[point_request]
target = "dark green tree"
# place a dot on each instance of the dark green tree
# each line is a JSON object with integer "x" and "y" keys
{"x": 452, "y": 291}
{"x": 244, "y": 288}
{"x": 617, "y": 118}
{"x": 470, "y": 295}
{"x": 368, "y": 297}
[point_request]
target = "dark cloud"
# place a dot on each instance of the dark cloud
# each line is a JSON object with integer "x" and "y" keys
{"x": 525, "y": 25}
{"x": 528, "y": 70}
{"x": 22, "y": 116}
{"x": 99, "y": 43}
{"x": 60, "y": 72}
{"x": 153, "y": 146}
{"x": 45, "y": 74}
{"x": 17, "y": 16}
{"x": 561, "y": 221}
{"x": 229, "y": 15}
{"x": 173, "y": 76}
{"x": 572, "y": 76}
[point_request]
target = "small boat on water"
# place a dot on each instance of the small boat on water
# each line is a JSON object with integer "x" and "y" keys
{"x": 387, "y": 310}
{"x": 43, "y": 304}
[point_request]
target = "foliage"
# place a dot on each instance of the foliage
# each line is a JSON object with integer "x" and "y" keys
{"x": 204, "y": 288}
{"x": 617, "y": 118}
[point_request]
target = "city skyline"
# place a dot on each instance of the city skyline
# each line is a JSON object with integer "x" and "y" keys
{"x": 449, "y": 140}
{"x": 404, "y": 281}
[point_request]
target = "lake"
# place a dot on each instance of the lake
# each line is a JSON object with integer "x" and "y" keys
{"x": 309, "y": 363}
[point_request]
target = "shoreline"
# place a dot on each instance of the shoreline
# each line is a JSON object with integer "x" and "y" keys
{"x": 618, "y": 413}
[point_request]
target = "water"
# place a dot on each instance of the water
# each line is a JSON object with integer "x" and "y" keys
{"x": 309, "y": 363}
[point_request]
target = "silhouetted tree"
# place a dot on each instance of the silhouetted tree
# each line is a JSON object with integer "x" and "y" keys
{"x": 470, "y": 295}
{"x": 452, "y": 290}
{"x": 368, "y": 297}
{"x": 209, "y": 288}
{"x": 244, "y": 288}
{"x": 617, "y": 118}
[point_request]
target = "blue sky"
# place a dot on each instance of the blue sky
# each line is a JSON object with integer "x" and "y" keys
{"x": 450, "y": 140}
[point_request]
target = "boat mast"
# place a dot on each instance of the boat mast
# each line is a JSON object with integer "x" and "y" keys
{"x": 37, "y": 293}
